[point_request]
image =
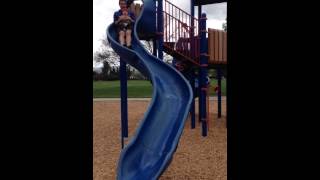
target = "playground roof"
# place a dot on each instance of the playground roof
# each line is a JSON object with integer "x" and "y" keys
{"x": 204, "y": 2}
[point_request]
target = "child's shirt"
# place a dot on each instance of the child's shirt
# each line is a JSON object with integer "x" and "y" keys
{"x": 117, "y": 14}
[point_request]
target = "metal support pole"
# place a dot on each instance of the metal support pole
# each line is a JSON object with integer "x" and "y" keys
{"x": 199, "y": 77}
{"x": 154, "y": 50}
{"x": 192, "y": 40}
{"x": 219, "y": 73}
{"x": 192, "y": 110}
{"x": 203, "y": 74}
{"x": 199, "y": 16}
{"x": 124, "y": 101}
{"x": 160, "y": 29}
{"x": 174, "y": 61}
{"x": 199, "y": 96}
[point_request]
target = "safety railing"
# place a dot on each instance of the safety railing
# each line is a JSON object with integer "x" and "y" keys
{"x": 180, "y": 36}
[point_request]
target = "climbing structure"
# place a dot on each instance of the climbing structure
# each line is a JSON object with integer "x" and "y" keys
{"x": 194, "y": 50}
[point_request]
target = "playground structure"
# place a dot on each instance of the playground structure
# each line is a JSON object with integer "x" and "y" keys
{"x": 184, "y": 37}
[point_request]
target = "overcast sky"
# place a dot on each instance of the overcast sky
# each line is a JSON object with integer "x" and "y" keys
{"x": 103, "y": 16}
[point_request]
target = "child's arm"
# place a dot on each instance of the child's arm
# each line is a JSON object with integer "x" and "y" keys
{"x": 126, "y": 17}
{"x": 117, "y": 18}
{"x": 131, "y": 16}
{"x": 118, "y": 21}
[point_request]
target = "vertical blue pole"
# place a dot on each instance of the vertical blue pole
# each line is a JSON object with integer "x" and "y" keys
{"x": 154, "y": 50}
{"x": 160, "y": 29}
{"x": 199, "y": 16}
{"x": 203, "y": 73}
{"x": 124, "y": 101}
{"x": 199, "y": 87}
{"x": 199, "y": 96}
{"x": 192, "y": 110}
{"x": 219, "y": 73}
{"x": 192, "y": 8}
{"x": 174, "y": 61}
{"x": 192, "y": 29}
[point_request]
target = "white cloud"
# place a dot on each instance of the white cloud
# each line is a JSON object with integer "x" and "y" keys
{"x": 102, "y": 16}
{"x": 216, "y": 13}
{"x": 215, "y": 24}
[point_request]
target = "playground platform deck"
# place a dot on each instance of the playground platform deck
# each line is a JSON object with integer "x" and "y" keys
{"x": 196, "y": 157}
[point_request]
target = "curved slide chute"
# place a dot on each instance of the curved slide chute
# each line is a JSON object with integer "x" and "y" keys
{"x": 151, "y": 149}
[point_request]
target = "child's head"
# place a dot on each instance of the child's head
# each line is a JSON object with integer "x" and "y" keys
{"x": 122, "y": 3}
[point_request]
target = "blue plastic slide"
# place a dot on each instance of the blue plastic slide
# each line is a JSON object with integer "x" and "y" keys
{"x": 151, "y": 149}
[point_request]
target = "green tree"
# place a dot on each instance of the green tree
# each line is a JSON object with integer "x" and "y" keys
{"x": 106, "y": 70}
{"x": 114, "y": 74}
{"x": 212, "y": 73}
{"x": 224, "y": 25}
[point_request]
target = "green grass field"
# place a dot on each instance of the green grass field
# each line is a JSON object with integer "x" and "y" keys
{"x": 136, "y": 89}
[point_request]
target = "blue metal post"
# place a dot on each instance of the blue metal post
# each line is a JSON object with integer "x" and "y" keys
{"x": 203, "y": 73}
{"x": 154, "y": 50}
{"x": 192, "y": 7}
{"x": 174, "y": 61}
{"x": 219, "y": 73}
{"x": 199, "y": 16}
{"x": 192, "y": 109}
{"x": 199, "y": 89}
{"x": 124, "y": 101}
{"x": 160, "y": 29}
{"x": 192, "y": 29}
{"x": 199, "y": 97}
